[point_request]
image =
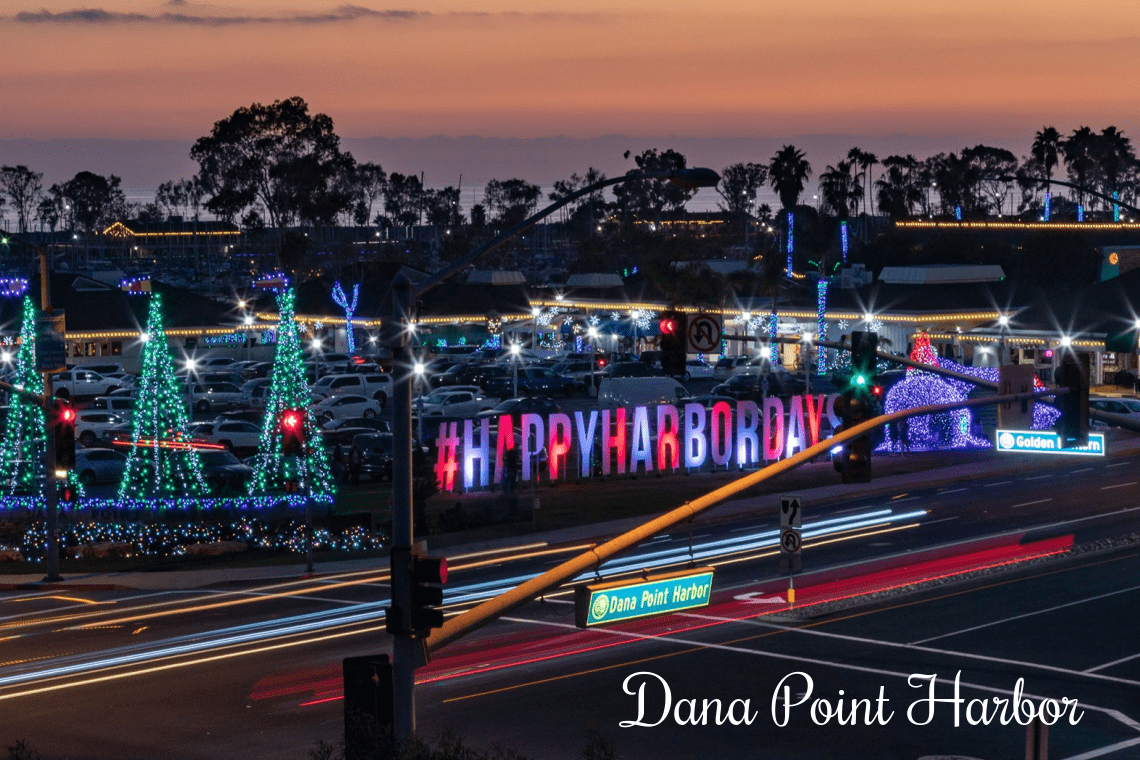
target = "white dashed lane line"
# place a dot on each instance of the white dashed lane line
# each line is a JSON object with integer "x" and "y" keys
{"x": 1119, "y": 485}
{"x": 1030, "y": 503}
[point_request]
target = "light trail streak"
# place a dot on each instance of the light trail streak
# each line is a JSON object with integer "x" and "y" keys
{"x": 840, "y": 528}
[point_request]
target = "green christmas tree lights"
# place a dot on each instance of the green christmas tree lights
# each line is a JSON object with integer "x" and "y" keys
{"x": 160, "y": 462}
{"x": 25, "y": 434}
{"x": 273, "y": 471}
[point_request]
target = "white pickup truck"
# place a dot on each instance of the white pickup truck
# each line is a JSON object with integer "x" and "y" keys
{"x": 77, "y": 382}
{"x": 446, "y": 402}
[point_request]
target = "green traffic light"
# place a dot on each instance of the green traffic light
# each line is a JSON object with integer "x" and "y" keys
{"x": 860, "y": 380}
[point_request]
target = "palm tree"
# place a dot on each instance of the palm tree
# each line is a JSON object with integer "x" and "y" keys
{"x": 841, "y": 190}
{"x": 1113, "y": 154}
{"x": 1078, "y": 149}
{"x": 787, "y": 173}
{"x": 1046, "y": 149}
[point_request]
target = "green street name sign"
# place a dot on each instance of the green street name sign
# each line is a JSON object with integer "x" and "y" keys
{"x": 1046, "y": 442}
{"x": 618, "y": 601}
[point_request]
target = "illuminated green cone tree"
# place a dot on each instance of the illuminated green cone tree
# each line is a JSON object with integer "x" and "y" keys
{"x": 25, "y": 434}
{"x": 160, "y": 461}
{"x": 274, "y": 472}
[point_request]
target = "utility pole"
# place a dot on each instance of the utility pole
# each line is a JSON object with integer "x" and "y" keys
{"x": 51, "y": 488}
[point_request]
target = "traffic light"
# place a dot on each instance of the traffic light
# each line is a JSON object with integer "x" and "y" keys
{"x": 1073, "y": 374}
{"x": 673, "y": 343}
{"x": 864, "y": 358}
{"x": 428, "y": 576}
{"x": 292, "y": 430}
{"x": 425, "y": 576}
{"x": 63, "y": 419}
{"x": 857, "y": 405}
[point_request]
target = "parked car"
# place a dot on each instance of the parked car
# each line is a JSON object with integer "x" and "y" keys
{"x": 99, "y": 466}
{"x": 347, "y": 405}
{"x": 377, "y": 386}
{"x": 254, "y": 392}
{"x": 580, "y": 371}
{"x": 119, "y": 404}
{"x": 376, "y": 454}
{"x": 257, "y": 370}
{"x": 749, "y": 387}
{"x": 617, "y": 392}
{"x": 210, "y": 396}
{"x": 695, "y": 369}
{"x": 466, "y": 374}
{"x": 74, "y": 383}
{"x": 372, "y": 423}
{"x": 516, "y": 407}
{"x": 110, "y": 368}
{"x": 1126, "y": 407}
{"x": 461, "y": 403}
{"x": 235, "y": 435}
{"x": 224, "y": 472}
{"x": 90, "y": 424}
{"x": 532, "y": 381}
{"x": 331, "y": 363}
{"x": 726, "y": 366}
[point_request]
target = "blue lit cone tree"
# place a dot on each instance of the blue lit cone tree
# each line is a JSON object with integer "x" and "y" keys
{"x": 274, "y": 472}
{"x": 160, "y": 461}
{"x": 25, "y": 434}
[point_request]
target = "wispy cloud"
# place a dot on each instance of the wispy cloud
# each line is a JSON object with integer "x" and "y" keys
{"x": 98, "y": 16}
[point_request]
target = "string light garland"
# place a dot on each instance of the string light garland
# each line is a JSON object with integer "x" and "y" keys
{"x": 159, "y": 464}
{"x": 341, "y": 299}
{"x": 13, "y": 287}
{"x": 1048, "y": 206}
{"x": 821, "y": 321}
{"x": 136, "y": 286}
{"x": 843, "y": 239}
{"x": 25, "y": 432}
{"x": 273, "y": 471}
{"x": 791, "y": 241}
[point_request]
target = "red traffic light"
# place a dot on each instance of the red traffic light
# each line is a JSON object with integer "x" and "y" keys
{"x": 667, "y": 326}
{"x": 67, "y": 414}
{"x": 291, "y": 420}
{"x": 876, "y": 390}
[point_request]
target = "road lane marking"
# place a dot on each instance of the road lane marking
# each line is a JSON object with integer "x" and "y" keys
{"x": 1030, "y": 503}
{"x": 806, "y": 660}
{"x": 1119, "y": 485}
{"x": 944, "y": 519}
{"x": 911, "y": 647}
{"x": 1086, "y": 469}
{"x": 1038, "y": 477}
{"x": 1114, "y": 662}
{"x": 955, "y": 490}
{"x": 1118, "y": 464}
{"x": 999, "y": 483}
{"x": 1029, "y": 614}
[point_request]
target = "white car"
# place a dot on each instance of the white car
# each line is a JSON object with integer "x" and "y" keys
{"x": 99, "y": 466}
{"x": 695, "y": 369}
{"x": 453, "y": 403}
{"x": 346, "y": 405}
{"x": 90, "y": 424}
{"x": 210, "y": 396}
{"x": 1125, "y": 407}
{"x": 233, "y": 434}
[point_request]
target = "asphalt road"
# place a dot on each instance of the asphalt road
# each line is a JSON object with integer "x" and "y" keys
{"x": 254, "y": 672}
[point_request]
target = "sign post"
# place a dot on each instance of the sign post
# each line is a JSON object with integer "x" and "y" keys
{"x": 703, "y": 333}
{"x": 791, "y": 520}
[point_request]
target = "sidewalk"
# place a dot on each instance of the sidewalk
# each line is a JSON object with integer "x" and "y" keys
{"x": 798, "y": 482}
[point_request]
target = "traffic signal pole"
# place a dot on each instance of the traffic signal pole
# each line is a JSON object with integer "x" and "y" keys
{"x": 51, "y": 488}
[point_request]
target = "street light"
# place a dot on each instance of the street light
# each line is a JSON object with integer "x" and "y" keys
{"x": 407, "y": 651}
{"x": 191, "y": 376}
{"x": 515, "y": 370}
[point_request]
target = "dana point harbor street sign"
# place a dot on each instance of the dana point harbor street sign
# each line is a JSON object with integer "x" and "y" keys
{"x": 618, "y": 601}
{"x": 1046, "y": 442}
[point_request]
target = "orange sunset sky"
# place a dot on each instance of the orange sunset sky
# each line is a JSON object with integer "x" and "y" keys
{"x": 534, "y": 68}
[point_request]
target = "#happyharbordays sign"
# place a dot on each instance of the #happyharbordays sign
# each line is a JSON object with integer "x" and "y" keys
{"x": 646, "y": 438}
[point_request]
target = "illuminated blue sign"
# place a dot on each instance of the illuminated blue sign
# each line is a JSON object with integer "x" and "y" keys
{"x": 618, "y": 601}
{"x": 1046, "y": 442}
